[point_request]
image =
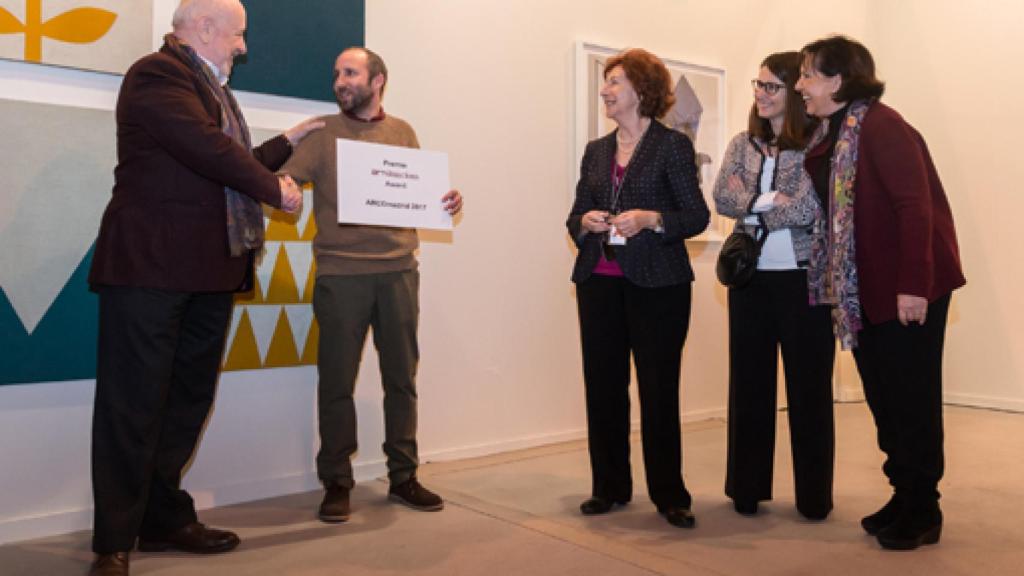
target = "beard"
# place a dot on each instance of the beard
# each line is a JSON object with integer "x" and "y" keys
{"x": 353, "y": 99}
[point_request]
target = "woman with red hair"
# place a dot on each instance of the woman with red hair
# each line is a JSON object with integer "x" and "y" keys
{"x": 636, "y": 201}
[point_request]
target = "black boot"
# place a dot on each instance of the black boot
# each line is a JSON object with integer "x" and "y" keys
{"x": 914, "y": 526}
{"x": 874, "y": 523}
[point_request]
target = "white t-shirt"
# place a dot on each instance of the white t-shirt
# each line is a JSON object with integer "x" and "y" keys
{"x": 777, "y": 252}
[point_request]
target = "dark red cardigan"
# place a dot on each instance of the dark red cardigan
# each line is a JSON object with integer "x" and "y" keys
{"x": 906, "y": 242}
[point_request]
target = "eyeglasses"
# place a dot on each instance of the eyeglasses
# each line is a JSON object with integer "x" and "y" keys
{"x": 770, "y": 88}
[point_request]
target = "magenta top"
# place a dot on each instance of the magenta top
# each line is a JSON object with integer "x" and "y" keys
{"x": 604, "y": 266}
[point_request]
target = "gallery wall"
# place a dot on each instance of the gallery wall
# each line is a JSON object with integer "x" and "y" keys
{"x": 492, "y": 84}
{"x": 953, "y": 70}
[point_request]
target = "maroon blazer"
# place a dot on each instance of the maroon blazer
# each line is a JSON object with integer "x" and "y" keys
{"x": 166, "y": 224}
{"x": 906, "y": 242}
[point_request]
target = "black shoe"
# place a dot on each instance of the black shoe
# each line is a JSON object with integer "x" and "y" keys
{"x": 414, "y": 495}
{"x": 912, "y": 529}
{"x": 679, "y": 516}
{"x": 815, "y": 514}
{"x": 744, "y": 507}
{"x": 595, "y": 506}
{"x": 335, "y": 506}
{"x": 115, "y": 564}
{"x": 195, "y": 538}
{"x": 874, "y": 523}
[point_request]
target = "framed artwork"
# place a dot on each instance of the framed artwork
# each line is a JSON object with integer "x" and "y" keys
{"x": 699, "y": 112}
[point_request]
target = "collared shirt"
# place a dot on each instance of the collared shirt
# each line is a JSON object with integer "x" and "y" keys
{"x": 213, "y": 68}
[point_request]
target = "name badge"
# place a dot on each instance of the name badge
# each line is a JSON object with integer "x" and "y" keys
{"x": 615, "y": 238}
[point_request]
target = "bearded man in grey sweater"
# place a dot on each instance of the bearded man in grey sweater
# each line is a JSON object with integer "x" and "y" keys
{"x": 365, "y": 276}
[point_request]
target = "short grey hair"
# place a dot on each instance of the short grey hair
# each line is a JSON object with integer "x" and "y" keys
{"x": 189, "y": 11}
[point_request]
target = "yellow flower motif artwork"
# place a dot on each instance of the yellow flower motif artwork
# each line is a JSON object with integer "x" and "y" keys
{"x": 78, "y": 26}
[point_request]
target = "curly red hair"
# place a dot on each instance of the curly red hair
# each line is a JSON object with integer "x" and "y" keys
{"x": 649, "y": 77}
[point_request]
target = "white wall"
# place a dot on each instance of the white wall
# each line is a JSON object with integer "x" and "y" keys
{"x": 492, "y": 83}
{"x": 953, "y": 70}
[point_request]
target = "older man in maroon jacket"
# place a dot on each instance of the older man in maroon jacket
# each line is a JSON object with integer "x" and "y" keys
{"x": 176, "y": 240}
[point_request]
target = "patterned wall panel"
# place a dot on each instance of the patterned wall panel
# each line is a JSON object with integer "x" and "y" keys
{"x": 57, "y": 178}
{"x": 56, "y": 186}
{"x": 103, "y": 35}
{"x": 292, "y": 45}
{"x": 273, "y": 325}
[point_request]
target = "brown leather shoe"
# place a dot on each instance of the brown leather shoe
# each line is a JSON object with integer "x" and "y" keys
{"x": 414, "y": 495}
{"x": 115, "y": 564}
{"x": 335, "y": 505}
{"x": 195, "y": 538}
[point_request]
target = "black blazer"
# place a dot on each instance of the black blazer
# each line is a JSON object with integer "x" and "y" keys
{"x": 662, "y": 176}
{"x": 166, "y": 224}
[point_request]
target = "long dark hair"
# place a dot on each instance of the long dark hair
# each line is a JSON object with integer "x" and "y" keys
{"x": 797, "y": 127}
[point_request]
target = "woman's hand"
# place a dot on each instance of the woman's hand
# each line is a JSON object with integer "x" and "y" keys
{"x": 735, "y": 185}
{"x": 595, "y": 222}
{"x": 632, "y": 222}
{"x": 781, "y": 200}
{"x": 911, "y": 309}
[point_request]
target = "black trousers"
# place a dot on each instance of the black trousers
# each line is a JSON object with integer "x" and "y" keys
{"x": 618, "y": 318}
{"x": 159, "y": 354}
{"x": 768, "y": 313}
{"x": 901, "y": 369}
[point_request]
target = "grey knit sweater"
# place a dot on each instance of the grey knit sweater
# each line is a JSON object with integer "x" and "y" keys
{"x": 745, "y": 158}
{"x": 343, "y": 249}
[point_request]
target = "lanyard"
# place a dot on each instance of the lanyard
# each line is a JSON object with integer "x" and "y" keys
{"x": 617, "y": 181}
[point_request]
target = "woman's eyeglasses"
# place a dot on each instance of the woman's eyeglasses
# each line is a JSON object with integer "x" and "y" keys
{"x": 770, "y": 88}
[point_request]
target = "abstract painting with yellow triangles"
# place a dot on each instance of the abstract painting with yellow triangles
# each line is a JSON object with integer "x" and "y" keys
{"x": 273, "y": 326}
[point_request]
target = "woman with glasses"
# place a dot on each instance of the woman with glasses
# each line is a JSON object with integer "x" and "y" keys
{"x": 888, "y": 263}
{"x": 763, "y": 185}
{"x": 636, "y": 200}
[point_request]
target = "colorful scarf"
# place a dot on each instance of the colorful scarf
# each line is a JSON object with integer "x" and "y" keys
{"x": 245, "y": 215}
{"x": 832, "y": 274}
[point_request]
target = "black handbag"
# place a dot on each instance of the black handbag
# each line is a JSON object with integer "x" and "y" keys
{"x": 737, "y": 261}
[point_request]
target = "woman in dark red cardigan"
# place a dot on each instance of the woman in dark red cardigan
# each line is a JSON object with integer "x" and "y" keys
{"x": 890, "y": 282}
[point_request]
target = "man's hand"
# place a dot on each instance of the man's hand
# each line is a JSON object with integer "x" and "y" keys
{"x": 452, "y": 202}
{"x": 296, "y": 133}
{"x": 291, "y": 194}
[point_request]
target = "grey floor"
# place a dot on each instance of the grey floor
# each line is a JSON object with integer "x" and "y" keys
{"x": 516, "y": 513}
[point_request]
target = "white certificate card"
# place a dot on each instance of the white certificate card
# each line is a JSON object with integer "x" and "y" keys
{"x": 391, "y": 186}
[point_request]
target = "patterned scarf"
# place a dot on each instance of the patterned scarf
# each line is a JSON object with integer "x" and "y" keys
{"x": 245, "y": 215}
{"x": 832, "y": 275}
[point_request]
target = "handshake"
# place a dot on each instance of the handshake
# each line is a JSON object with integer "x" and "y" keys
{"x": 291, "y": 194}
